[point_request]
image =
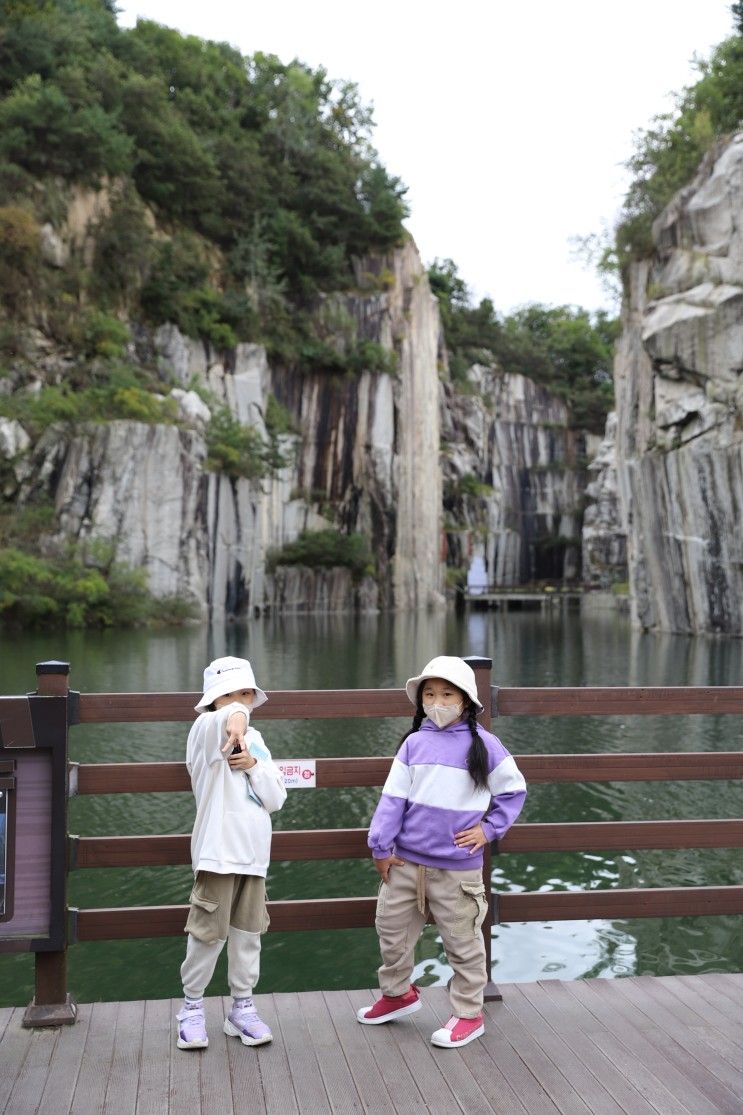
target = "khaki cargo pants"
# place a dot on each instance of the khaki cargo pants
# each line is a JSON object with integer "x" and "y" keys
{"x": 456, "y": 899}
{"x": 229, "y": 908}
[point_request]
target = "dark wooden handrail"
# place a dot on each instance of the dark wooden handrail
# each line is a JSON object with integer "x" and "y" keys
{"x": 323, "y": 844}
{"x": 130, "y": 778}
{"x": 129, "y": 922}
{"x": 329, "y": 704}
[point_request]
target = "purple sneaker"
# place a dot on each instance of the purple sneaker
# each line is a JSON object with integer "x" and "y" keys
{"x": 192, "y": 1028}
{"x": 243, "y": 1023}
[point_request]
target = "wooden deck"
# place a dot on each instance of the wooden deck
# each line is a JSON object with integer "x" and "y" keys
{"x": 670, "y": 1045}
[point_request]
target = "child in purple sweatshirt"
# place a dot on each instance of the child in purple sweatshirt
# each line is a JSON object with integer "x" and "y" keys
{"x": 452, "y": 789}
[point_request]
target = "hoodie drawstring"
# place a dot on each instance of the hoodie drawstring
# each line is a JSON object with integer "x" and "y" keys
{"x": 420, "y": 889}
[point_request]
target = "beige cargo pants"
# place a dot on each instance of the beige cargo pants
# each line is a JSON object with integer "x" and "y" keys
{"x": 229, "y": 908}
{"x": 456, "y": 899}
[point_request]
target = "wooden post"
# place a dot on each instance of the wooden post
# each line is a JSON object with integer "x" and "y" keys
{"x": 483, "y": 671}
{"x": 52, "y": 1005}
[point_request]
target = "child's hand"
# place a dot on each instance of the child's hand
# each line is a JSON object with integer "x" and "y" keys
{"x": 474, "y": 836}
{"x": 235, "y": 728}
{"x": 383, "y": 866}
{"x": 241, "y": 760}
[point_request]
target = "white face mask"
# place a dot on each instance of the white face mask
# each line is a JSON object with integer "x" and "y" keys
{"x": 443, "y": 715}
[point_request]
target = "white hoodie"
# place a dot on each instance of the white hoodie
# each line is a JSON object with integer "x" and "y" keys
{"x": 232, "y": 831}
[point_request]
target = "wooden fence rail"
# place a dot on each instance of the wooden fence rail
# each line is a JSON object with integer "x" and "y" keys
{"x": 161, "y": 850}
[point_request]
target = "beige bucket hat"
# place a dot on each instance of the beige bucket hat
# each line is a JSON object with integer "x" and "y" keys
{"x": 450, "y": 669}
{"x": 228, "y": 675}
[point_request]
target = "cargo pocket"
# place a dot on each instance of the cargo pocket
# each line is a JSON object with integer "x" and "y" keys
{"x": 203, "y": 918}
{"x": 470, "y": 910}
{"x": 266, "y": 919}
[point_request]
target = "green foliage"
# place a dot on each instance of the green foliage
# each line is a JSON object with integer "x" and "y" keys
{"x": 468, "y": 485}
{"x": 43, "y": 131}
{"x": 19, "y": 256}
{"x": 102, "y": 335}
{"x": 278, "y": 419}
{"x": 65, "y": 592}
{"x": 668, "y": 153}
{"x": 565, "y": 348}
{"x": 210, "y": 139}
{"x": 234, "y": 449}
{"x": 325, "y": 549}
{"x": 123, "y": 251}
{"x": 116, "y": 391}
{"x": 178, "y": 291}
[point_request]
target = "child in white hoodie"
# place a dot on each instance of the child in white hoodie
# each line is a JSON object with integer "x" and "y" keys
{"x": 236, "y": 786}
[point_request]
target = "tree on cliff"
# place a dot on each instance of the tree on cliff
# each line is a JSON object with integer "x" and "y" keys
{"x": 565, "y": 348}
{"x": 238, "y": 156}
{"x": 668, "y": 153}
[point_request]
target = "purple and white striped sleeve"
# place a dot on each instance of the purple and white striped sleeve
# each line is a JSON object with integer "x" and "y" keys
{"x": 387, "y": 820}
{"x": 508, "y": 789}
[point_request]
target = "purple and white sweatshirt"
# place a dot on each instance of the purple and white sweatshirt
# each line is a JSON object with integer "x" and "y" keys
{"x": 429, "y": 796}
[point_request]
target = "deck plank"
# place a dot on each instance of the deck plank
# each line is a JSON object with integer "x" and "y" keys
{"x": 691, "y": 994}
{"x": 633, "y": 1046}
{"x": 158, "y": 1034}
{"x": 215, "y": 1080}
{"x": 244, "y": 1072}
{"x": 185, "y": 1074}
{"x": 31, "y": 1080}
{"x": 385, "y": 1049}
{"x": 123, "y": 1077}
{"x": 706, "y": 1067}
{"x": 65, "y": 1065}
{"x": 577, "y": 1015}
{"x": 340, "y": 1085}
{"x": 616, "y": 1083}
{"x": 467, "y": 1090}
{"x": 273, "y": 1063}
{"x": 730, "y": 988}
{"x": 92, "y": 1080}
{"x": 558, "y": 1088}
{"x": 424, "y": 1068}
{"x": 646, "y": 1041}
{"x": 294, "y": 1036}
{"x": 16, "y": 1043}
{"x": 366, "y": 1076}
{"x": 558, "y": 1046}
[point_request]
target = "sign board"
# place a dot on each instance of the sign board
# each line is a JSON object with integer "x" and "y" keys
{"x": 299, "y": 774}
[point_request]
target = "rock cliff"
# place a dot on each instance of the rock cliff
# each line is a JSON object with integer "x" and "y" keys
{"x": 364, "y": 459}
{"x": 679, "y": 396}
{"x": 514, "y": 476}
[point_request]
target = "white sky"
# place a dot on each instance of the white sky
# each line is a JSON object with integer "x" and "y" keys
{"x": 509, "y": 121}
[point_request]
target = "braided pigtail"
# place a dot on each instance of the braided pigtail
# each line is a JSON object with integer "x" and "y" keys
{"x": 477, "y": 756}
{"x": 418, "y": 718}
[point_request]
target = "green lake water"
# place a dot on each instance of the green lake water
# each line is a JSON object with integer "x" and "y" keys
{"x": 347, "y": 651}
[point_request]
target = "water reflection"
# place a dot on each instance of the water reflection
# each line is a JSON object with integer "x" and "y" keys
{"x": 340, "y": 651}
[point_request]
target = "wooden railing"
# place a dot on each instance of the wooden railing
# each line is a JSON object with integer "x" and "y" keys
{"x": 322, "y": 913}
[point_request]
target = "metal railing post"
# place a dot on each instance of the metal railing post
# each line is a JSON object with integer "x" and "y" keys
{"x": 52, "y": 1005}
{"x": 483, "y": 670}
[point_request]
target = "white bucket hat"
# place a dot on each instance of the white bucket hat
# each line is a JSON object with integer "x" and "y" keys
{"x": 228, "y": 675}
{"x": 450, "y": 669}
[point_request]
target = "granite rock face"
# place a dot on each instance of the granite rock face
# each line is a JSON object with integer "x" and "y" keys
{"x": 679, "y": 392}
{"x": 604, "y": 535}
{"x": 365, "y": 450}
{"x": 514, "y": 476}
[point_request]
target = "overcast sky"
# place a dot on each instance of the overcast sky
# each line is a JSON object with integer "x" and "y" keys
{"x": 509, "y": 121}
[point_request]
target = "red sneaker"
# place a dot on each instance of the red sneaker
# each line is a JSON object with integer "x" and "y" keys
{"x": 390, "y": 1007}
{"x": 458, "y": 1031}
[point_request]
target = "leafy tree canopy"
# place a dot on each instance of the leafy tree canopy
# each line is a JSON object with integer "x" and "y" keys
{"x": 668, "y": 152}
{"x": 565, "y": 348}
{"x": 269, "y": 163}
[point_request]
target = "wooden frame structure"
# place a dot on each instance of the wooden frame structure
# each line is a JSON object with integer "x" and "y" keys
{"x": 342, "y": 913}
